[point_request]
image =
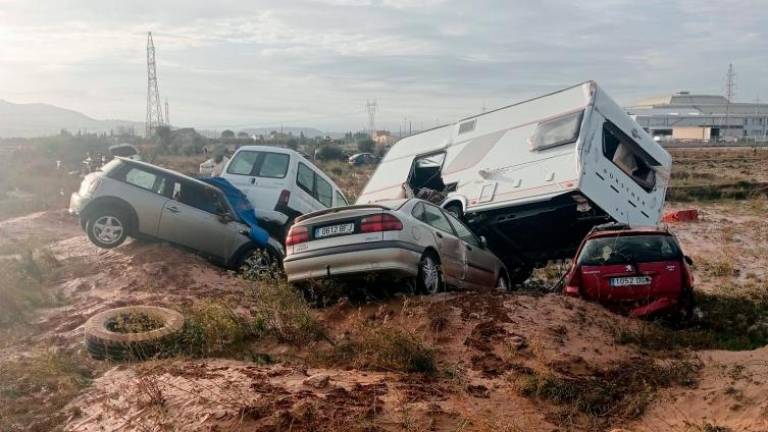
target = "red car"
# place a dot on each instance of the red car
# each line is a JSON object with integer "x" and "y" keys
{"x": 638, "y": 271}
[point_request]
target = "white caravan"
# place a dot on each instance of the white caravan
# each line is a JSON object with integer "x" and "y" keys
{"x": 534, "y": 177}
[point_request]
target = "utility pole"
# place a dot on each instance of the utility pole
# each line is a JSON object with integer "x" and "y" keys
{"x": 154, "y": 112}
{"x": 371, "y": 107}
{"x": 730, "y": 93}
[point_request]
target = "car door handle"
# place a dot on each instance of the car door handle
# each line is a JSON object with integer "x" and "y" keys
{"x": 173, "y": 209}
{"x": 468, "y": 247}
{"x": 253, "y": 180}
{"x": 439, "y": 235}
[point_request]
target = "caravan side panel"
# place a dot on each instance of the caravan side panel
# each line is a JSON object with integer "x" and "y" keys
{"x": 511, "y": 172}
{"x": 603, "y": 182}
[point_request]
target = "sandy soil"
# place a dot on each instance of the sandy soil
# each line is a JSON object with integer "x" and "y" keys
{"x": 488, "y": 340}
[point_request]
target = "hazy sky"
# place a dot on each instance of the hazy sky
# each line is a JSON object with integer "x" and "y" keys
{"x": 315, "y": 63}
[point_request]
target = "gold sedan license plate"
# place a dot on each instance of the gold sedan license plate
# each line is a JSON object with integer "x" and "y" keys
{"x": 334, "y": 230}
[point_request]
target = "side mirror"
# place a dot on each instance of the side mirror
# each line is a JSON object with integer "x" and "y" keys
{"x": 688, "y": 259}
{"x": 483, "y": 242}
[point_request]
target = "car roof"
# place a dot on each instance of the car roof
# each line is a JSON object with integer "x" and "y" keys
{"x": 165, "y": 171}
{"x": 272, "y": 149}
{"x": 629, "y": 232}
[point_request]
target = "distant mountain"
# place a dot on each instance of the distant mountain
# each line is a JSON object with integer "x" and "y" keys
{"x": 35, "y": 119}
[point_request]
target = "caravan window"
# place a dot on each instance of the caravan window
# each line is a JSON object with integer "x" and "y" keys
{"x": 629, "y": 156}
{"x": 556, "y": 132}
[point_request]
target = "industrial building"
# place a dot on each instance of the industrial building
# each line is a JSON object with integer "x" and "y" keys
{"x": 692, "y": 117}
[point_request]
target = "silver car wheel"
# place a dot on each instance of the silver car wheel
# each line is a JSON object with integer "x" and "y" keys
{"x": 430, "y": 274}
{"x": 107, "y": 229}
{"x": 259, "y": 264}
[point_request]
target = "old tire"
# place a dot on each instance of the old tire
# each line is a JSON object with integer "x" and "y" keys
{"x": 108, "y": 228}
{"x": 430, "y": 278}
{"x": 103, "y": 343}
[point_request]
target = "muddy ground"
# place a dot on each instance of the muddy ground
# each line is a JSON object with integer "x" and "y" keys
{"x": 529, "y": 360}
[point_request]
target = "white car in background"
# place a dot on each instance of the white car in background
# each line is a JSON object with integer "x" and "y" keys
{"x": 407, "y": 238}
{"x": 281, "y": 184}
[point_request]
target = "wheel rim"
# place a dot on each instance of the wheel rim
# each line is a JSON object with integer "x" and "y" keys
{"x": 430, "y": 275}
{"x": 259, "y": 263}
{"x": 502, "y": 284}
{"x": 108, "y": 229}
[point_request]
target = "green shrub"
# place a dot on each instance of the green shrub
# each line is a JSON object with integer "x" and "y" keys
{"x": 284, "y": 313}
{"x": 212, "y": 327}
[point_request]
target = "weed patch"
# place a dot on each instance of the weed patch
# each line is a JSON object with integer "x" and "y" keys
{"x": 34, "y": 389}
{"x": 622, "y": 392}
{"x": 383, "y": 347}
{"x": 22, "y": 289}
{"x": 737, "y": 321}
{"x": 213, "y": 327}
{"x": 284, "y": 313}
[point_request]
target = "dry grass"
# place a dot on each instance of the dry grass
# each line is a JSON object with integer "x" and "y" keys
{"x": 284, "y": 313}
{"x": 733, "y": 318}
{"x": 212, "y": 327}
{"x": 382, "y": 347}
{"x": 620, "y": 393}
{"x": 350, "y": 179}
{"x": 23, "y": 287}
{"x": 33, "y": 389}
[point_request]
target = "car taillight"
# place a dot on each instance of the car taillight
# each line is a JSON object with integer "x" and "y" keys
{"x": 573, "y": 283}
{"x": 285, "y": 196}
{"x": 380, "y": 222}
{"x": 296, "y": 235}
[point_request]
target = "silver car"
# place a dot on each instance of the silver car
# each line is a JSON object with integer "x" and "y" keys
{"x": 132, "y": 198}
{"x": 411, "y": 238}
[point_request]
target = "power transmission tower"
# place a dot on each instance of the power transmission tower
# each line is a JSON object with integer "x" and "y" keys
{"x": 154, "y": 111}
{"x": 167, "y": 115}
{"x": 730, "y": 93}
{"x": 371, "y": 107}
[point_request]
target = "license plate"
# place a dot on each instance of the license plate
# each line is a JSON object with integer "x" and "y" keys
{"x": 632, "y": 280}
{"x": 334, "y": 230}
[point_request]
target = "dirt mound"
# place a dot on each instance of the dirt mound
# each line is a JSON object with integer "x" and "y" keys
{"x": 502, "y": 361}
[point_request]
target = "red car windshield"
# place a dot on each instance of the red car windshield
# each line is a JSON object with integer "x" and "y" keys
{"x": 629, "y": 249}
